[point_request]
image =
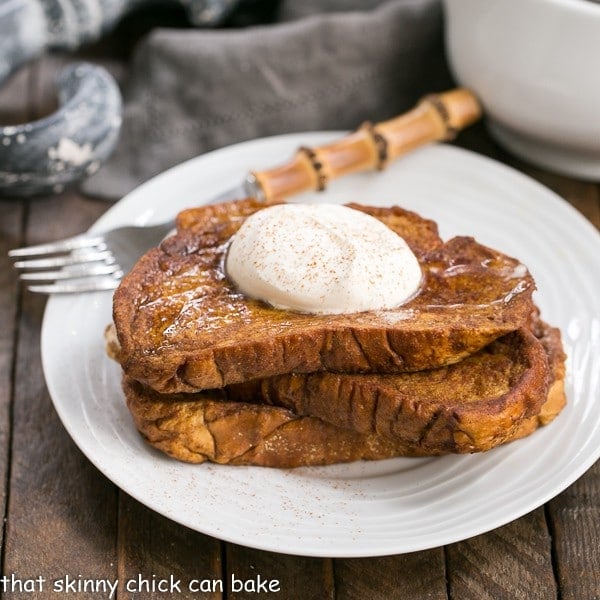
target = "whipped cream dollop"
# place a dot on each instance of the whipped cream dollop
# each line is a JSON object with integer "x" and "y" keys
{"x": 321, "y": 259}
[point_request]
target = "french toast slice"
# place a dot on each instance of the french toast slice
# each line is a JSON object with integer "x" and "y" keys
{"x": 464, "y": 407}
{"x": 183, "y": 327}
{"x": 526, "y": 392}
{"x": 204, "y": 427}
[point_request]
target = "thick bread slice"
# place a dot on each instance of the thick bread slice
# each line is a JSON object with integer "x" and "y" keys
{"x": 209, "y": 426}
{"x": 468, "y": 406}
{"x": 556, "y": 398}
{"x": 205, "y": 427}
{"x": 182, "y": 327}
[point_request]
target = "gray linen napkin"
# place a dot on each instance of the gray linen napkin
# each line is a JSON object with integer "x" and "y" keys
{"x": 191, "y": 91}
{"x": 290, "y": 10}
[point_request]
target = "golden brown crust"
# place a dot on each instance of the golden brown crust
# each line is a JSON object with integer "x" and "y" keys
{"x": 469, "y": 406}
{"x": 211, "y": 426}
{"x": 556, "y": 398}
{"x": 200, "y": 427}
{"x": 456, "y": 369}
{"x": 183, "y": 328}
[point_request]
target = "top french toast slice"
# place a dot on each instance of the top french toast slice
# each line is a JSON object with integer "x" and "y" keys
{"x": 183, "y": 327}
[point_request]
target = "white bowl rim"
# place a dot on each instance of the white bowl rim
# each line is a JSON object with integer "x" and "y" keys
{"x": 588, "y": 7}
{"x": 593, "y": 5}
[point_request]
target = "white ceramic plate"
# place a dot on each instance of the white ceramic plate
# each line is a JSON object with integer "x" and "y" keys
{"x": 360, "y": 509}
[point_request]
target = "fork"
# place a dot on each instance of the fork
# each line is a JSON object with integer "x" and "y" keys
{"x": 91, "y": 262}
{"x": 86, "y": 262}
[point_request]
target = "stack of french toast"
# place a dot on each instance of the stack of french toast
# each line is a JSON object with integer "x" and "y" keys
{"x": 210, "y": 374}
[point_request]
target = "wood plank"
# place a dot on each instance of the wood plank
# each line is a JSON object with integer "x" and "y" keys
{"x": 514, "y": 561}
{"x": 14, "y": 108}
{"x": 295, "y": 576}
{"x": 574, "y": 518}
{"x": 15, "y": 94}
{"x": 414, "y": 576}
{"x": 11, "y": 220}
{"x": 153, "y": 549}
{"x": 61, "y": 518}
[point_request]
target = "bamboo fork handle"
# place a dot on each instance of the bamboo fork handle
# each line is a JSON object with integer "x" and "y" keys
{"x": 372, "y": 146}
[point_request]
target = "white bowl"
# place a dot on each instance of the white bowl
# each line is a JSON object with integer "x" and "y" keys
{"x": 535, "y": 65}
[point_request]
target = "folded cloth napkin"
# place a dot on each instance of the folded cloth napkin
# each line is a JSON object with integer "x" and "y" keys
{"x": 190, "y": 91}
{"x": 290, "y": 10}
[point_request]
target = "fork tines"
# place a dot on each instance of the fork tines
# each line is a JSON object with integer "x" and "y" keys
{"x": 78, "y": 264}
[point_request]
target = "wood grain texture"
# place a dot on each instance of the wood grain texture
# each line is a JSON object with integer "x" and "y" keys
{"x": 511, "y": 562}
{"x": 57, "y": 499}
{"x": 574, "y": 517}
{"x": 153, "y": 549}
{"x": 11, "y": 219}
{"x": 14, "y": 108}
{"x": 415, "y": 576}
{"x": 295, "y": 576}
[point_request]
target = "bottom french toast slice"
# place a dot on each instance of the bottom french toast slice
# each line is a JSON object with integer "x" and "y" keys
{"x": 203, "y": 427}
{"x": 503, "y": 393}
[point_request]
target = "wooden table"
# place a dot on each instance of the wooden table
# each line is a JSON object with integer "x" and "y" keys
{"x": 63, "y": 518}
